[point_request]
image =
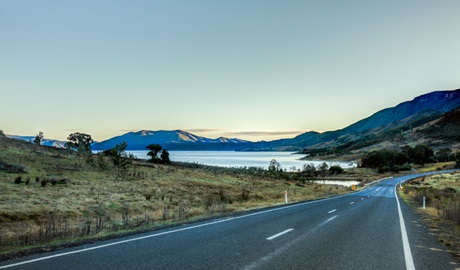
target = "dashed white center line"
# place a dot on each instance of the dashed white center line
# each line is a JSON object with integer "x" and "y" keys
{"x": 279, "y": 234}
{"x": 362, "y": 199}
{"x": 352, "y": 202}
{"x": 332, "y": 211}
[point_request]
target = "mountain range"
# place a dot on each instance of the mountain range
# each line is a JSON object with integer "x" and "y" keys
{"x": 406, "y": 115}
{"x": 172, "y": 140}
{"x": 431, "y": 118}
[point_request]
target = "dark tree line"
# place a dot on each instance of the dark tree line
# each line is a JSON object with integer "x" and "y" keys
{"x": 391, "y": 160}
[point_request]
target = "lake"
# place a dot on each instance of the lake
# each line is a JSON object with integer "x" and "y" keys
{"x": 242, "y": 159}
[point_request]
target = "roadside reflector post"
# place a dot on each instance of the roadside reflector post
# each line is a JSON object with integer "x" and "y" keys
{"x": 285, "y": 196}
{"x": 424, "y": 202}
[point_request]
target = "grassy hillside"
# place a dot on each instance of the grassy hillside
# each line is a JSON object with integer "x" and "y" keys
{"x": 49, "y": 194}
{"x": 437, "y": 131}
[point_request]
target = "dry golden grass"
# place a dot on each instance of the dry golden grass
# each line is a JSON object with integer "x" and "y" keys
{"x": 435, "y": 166}
{"x": 96, "y": 202}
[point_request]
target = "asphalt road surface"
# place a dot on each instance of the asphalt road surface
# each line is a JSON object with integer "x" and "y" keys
{"x": 370, "y": 229}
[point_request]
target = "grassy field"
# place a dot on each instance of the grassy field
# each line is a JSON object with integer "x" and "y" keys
{"x": 60, "y": 197}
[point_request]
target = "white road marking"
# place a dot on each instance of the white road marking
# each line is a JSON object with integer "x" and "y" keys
{"x": 362, "y": 199}
{"x": 284, "y": 248}
{"x": 328, "y": 220}
{"x": 332, "y": 211}
{"x": 352, "y": 202}
{"x": 279, "y": 234}
{"x": 407, "y": 253}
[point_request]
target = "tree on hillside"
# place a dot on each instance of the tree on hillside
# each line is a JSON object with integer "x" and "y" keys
{"x": 408, "y": 151}
{"x": 120, "y": 158}
{"x": 2, "y": 134}
{"x": 444, "y": 155}
{"x": 323, "y": 169}
{"x": 309, "y": 170}
{"x": 39, "y": 138}
{"x": 274, "y": 166}
{"x": 80, "y": 142}
{"x": 423, "y": 154}
{"x": 153, "y": 153}
{"x": 335, "y": 169}
{"x": 165, "y": 157}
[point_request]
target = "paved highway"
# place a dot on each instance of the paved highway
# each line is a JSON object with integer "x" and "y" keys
{"x": 370, "y": 229}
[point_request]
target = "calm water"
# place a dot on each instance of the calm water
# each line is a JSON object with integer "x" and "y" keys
{"x": 241, "y": 159}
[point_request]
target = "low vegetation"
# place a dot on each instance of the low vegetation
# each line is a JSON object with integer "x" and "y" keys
{"x": 442, "y": 201}
{"x": 63, "y": 195}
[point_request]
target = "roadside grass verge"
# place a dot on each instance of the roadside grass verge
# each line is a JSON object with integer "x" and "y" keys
{"x": 442, "y": 212}
{"x": 430, "y": 167}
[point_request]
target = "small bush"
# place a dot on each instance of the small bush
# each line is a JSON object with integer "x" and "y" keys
{"x": 18, "y": 180}
{"x": 399, "y": 168}
{"x": 245, "y": 195}
{"x": 10, "y": 168}
{"x": 28, "y": 181}
{"x": 224, "y": 197}
{"x": 43, "y": 182}
{"x": 335, "y": 170}
{"x": 37, "y": 179}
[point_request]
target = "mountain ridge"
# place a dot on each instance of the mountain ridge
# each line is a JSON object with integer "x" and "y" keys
{"x": 415, "y": 112}
{"x": 170, "y": 139}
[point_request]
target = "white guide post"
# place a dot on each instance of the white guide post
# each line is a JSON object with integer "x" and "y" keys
{"x": 285, "y": 196}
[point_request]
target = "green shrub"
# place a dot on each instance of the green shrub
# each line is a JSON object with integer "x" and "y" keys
{"x": 335, "y": 170}
{"x": 18, "y": 180}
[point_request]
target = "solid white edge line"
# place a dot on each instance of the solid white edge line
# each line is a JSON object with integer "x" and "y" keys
{"x": 279, "y": 234}
{"x": 173, "y": 231}
{"x": 407, "y": 252}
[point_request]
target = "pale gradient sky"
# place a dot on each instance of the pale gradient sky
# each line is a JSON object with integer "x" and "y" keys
{"x": 253, "y": 69}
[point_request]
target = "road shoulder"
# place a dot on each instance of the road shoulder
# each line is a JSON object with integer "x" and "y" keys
{"x": 424, "y": 243}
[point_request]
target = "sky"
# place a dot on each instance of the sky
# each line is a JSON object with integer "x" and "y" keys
{"x": 251, "y": 69}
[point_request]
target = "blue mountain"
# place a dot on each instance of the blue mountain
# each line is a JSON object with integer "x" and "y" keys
{"x": 427, "y": 106}
{"x": 171, "y": 140}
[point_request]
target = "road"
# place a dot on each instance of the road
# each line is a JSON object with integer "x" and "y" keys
{"x": 370, "y": 229}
